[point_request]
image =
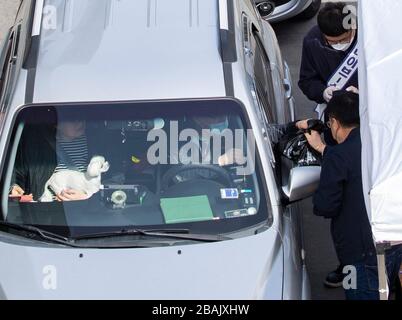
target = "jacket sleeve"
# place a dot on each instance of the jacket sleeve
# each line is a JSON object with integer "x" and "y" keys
{"x": 310, "y": 82}
{"x": 327, "y": 200}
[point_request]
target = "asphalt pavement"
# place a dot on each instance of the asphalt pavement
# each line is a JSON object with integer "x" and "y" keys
{"x": 320, "y": 253}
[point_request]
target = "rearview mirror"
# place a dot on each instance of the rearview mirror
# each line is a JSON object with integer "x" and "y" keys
{"x": 265, "y": 8}
{"x": 303, "y": 182}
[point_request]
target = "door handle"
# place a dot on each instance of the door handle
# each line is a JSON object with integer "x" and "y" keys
{"x": 288, "y": 88}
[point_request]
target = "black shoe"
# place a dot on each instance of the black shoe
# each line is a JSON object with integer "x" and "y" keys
{"x": 335, "y": 278}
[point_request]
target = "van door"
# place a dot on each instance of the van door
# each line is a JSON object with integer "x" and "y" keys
{"x": 269, "y": 82}
{"x": 263, "y": 78}
{"x": 280, "y": 74}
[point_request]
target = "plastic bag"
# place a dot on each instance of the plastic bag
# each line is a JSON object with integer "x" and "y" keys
{"x": 296, "y": 147}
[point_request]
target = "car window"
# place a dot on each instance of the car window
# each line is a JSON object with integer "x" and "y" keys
{"x": 263, "y": 79}
{"x": 187, "y": 164}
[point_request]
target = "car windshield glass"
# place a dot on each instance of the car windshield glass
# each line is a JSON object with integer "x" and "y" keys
{"x": 83, "y": 169}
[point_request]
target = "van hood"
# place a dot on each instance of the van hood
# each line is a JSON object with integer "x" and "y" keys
{"x": 246, "y": 268}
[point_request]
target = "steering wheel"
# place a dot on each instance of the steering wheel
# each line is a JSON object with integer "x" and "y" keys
{"x": 174, "y": 171}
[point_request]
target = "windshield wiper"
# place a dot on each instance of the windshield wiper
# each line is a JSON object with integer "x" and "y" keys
{"x": 183, "y": 234}
{"x": 43, "y": 234}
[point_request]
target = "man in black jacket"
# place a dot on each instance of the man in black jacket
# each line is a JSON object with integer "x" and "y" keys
{"x": 340, "y": 198}
{"x": 324, "y": 49}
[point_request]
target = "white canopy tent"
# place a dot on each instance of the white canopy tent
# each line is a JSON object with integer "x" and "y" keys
{"x": 380, "y": 84}
{"x": 380, "y": 77}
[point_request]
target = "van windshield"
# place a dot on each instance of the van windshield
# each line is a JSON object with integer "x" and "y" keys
{"x": 80, "y": 169}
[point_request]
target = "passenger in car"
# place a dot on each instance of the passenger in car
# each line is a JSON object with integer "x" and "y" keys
{"x": 340, "y": 198}
{"x": 64, "y": 146}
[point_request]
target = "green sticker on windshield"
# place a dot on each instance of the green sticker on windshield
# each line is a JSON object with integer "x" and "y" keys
{"x": 187, "y": 209}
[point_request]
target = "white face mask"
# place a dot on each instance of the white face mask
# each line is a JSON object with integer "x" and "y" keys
{"x": 342, "y": 46}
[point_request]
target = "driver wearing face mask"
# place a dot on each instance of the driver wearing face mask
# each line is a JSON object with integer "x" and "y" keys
{"x": 207, "y": 130}
{"x": 324, "y": 49}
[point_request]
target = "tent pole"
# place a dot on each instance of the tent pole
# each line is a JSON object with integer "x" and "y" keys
{"x": 382, "y": 271}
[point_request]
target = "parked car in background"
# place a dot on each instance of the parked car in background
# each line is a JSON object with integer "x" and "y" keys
{"x": 279, "y": 10}
{"x": 123, "y": 74}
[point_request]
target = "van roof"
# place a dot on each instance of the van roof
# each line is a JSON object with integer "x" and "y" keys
{"x": 108, "y": 50}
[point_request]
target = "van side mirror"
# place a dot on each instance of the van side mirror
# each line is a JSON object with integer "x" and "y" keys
{"x": 303, "y": 182}
{"x": 265, "y": 8}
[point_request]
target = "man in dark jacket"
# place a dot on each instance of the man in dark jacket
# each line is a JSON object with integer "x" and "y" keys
{"x": 340, "y": 198}
{"x": 324, "y": 49}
